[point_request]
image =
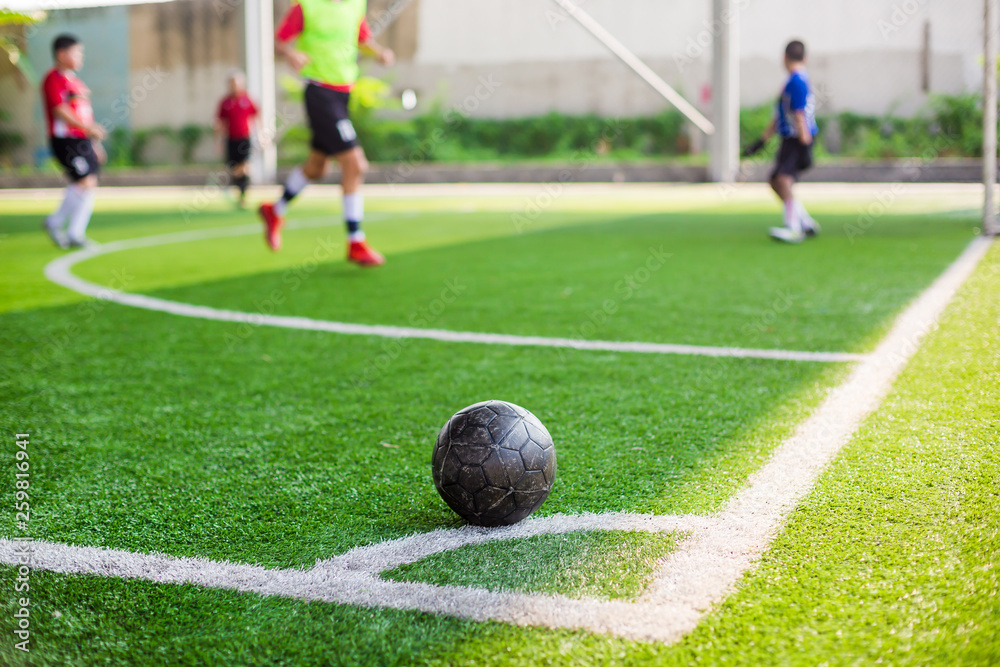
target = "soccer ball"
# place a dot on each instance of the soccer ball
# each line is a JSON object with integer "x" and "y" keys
{"x": 494, "y": 463}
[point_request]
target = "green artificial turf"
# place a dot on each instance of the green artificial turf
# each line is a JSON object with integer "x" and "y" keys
{"x": 270, "y": 453}
{"x": 699, "y": 279}
{"x": 194, "y": 438}
{"x": 891, "y": 559}
{"x": 84, "y": 621}
{"x": 605, "y": 564}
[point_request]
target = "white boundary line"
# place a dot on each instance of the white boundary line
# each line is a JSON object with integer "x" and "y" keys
{"x": 60, "y": 272}
{"x": 704, "y": 569}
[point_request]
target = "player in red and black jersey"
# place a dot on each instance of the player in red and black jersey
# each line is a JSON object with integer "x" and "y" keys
{"x": 236, "y": 120}
{"x": 75, "y": 140}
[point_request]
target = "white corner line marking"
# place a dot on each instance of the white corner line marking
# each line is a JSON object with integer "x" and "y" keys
{"x": 59, "y": 271}
{"x": 702, "y": 572}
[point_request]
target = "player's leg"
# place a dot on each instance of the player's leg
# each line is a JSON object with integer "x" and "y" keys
{"x": 67, "y": 226}
{"x": 353, "y": 167}
{"x": 809, "y": 225}
{"x": 322, "y": 111}
{"x": 782, "y": 182}
{"x": 231, "y": 162}
{"x": 236, "y": 158}
{"x": 55, "y": 223}
{"x": 241, "y": 175}
{"x": 313, "y": 169}
{"x": 784, "y": 185}
{"x": 80, "y": 219}
{"x": 242, "y": 181}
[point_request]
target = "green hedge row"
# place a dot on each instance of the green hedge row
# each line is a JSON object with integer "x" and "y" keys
{"x": 128, "y": 148}
{"x": 950, "y": 126}
{"x": 444, "y": 137}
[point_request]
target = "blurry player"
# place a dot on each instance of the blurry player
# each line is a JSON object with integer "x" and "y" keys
{"x": 320, "y": 39}
{"x": 75, "y": 141}
{"x": 235, "y": 120}
{"x": 795, "y": 121}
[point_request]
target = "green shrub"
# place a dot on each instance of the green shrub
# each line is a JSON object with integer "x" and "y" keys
{"x": 190, "y": 136}
{"x": 959, "y": 120}
{"x": 443, "y": 137}
{"x": 10, "y": 139}
{"x": 950, "y": 126}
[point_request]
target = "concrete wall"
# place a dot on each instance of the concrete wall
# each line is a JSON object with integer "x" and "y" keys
{"x": 866, "y": 55}
{"x": 182, "y": 53}
{"x": 180, "y": 57}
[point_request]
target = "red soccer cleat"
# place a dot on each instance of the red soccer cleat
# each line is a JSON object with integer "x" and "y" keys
{"x": 272, "y": 226}
{"x": 363, "y": 254}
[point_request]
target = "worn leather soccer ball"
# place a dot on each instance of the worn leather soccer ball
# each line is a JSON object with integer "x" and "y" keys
{"x": 494, "y": 463}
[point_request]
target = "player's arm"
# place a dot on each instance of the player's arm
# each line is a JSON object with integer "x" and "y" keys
{"x": 373, "y": 49}
{"x": 102, "y": 155}
{"x": 759, "y": 144}
{"x": 770, "y": 131}
{"x": 289, "y": 29}
{"x": 369, "y": 47}
{"x": 383, "y": 54}
{"x": 804, "y": 133}
{"x": 295, "y": 58}
{"x": 65, "y": 113}
{"x": 799, "y": 99}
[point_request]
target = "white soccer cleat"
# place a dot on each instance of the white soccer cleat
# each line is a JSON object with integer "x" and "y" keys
{"x": 57, "y": 235}
{"x": 810, "y": 227}
{"x": 786, "y": 235}
{"x": 81, "y": 243}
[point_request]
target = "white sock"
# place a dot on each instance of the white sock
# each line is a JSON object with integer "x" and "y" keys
{"x": 792, "y": 218}
{"x": 81, "y": 218}
{"x": 71, "y": 200}
{"x": 294, "y": 184}
{"x": 354, "y": 212}
{"x": 803, "y": 215}
{"x": 354, "y": 207}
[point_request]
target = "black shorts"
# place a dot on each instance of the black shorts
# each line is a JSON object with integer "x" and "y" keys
{"x": 77, "y": 156}
{"x": 332, "y": 131}
{"x": 237, "y": 151}
{"x": 793, "y": 157}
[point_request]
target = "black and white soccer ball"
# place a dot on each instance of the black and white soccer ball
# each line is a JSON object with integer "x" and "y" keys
{"x": 494, "y": 463}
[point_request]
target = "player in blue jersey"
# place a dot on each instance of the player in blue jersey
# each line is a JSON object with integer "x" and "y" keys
{"x": 795, "y": 121}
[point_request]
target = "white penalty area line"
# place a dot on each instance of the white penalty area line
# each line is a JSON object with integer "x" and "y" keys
{"x": 353, "y": 578}
{"x": 60, "y": 272}
{"x": 716, "y": 552}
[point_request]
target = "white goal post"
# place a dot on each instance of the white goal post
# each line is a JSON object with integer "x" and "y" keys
{"x": 725, "y": 131}
{"x": 258, "y": 17}
{"x": 990, "y": 226}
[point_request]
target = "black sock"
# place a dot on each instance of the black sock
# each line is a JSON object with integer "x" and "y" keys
{"x": 353, "y": 226}
{"x": 242, "y": 182}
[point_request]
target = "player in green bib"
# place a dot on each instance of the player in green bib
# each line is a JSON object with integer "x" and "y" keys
{"x": 321, "y": 40}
